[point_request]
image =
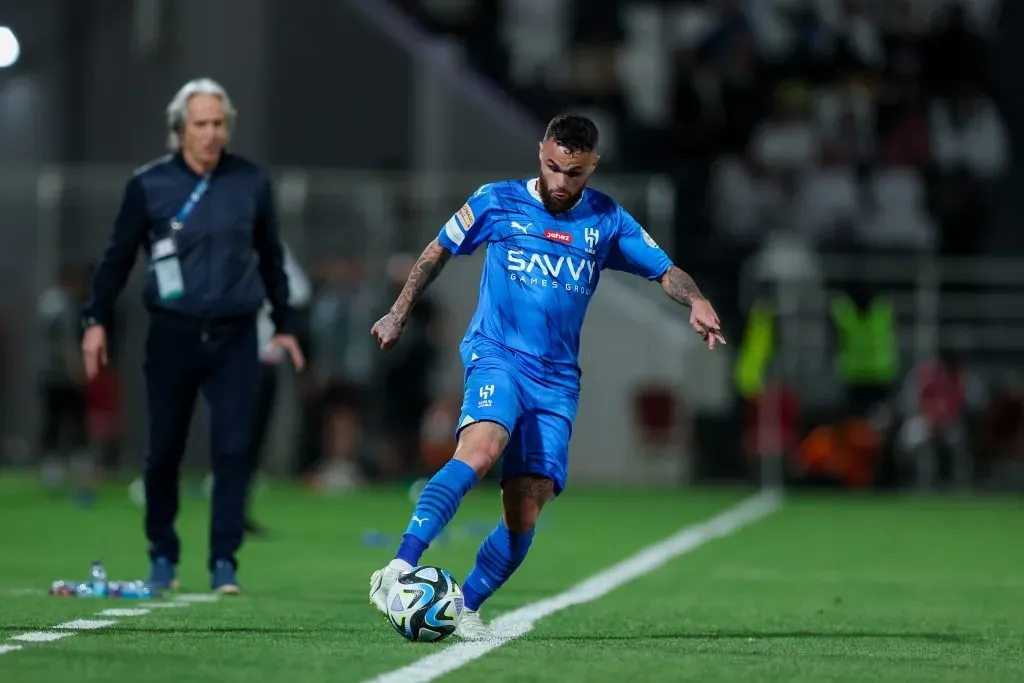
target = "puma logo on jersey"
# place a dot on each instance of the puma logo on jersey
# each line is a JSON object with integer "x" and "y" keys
{"x": 520, "y": 226}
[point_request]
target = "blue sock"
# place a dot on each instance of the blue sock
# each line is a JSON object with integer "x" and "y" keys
{"x": 435, "y": 508}
{"x": 499, "y": 556}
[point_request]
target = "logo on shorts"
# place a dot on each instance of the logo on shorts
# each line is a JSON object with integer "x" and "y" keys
{"x": 486, "y": 391}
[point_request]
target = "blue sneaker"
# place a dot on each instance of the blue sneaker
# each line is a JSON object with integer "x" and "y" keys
{"x": 161, "y": 575}
{"x": 223, "y": 580}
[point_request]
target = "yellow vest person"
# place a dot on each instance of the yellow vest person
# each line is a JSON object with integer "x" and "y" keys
{"x": 867, "y": 351}
{"x": 756, "y": 350}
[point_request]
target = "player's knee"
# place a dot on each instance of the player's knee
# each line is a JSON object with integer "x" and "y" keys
{"x": 480, "y": 446}
{"x": 523, "y": 499}
{"x": 481, "y": 457}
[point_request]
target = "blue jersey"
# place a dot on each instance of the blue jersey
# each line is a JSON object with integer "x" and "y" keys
{"x": 541, "y": 270}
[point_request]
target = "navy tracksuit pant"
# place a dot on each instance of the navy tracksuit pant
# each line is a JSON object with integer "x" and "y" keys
{"x": 185, "y": 356}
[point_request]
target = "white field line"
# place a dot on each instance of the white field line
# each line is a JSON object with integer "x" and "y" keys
{"x": 520, "y": 621}
{"x": 70, "y": 628}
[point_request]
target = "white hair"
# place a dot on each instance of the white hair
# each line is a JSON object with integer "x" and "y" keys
{"x": 177, "y": 110}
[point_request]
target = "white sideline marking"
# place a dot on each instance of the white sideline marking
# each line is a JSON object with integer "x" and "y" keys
{"x": 86, "y": 624}
{"x": 70, "y": 628}
{"x": 42, "y": 636}
{"x": 196, "y": 597}
{"x": 520, "y": 621}
{"x": 167, "y": 605}
{"x": 123, "y": 612}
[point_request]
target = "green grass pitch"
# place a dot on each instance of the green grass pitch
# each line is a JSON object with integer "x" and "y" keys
{"x": 827, "y": 588}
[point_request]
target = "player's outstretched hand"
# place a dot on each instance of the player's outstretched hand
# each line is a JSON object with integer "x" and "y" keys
{"x": 388, "y": 330}
{"x": 705, "y": 321}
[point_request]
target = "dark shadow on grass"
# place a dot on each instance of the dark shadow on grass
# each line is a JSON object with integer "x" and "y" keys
{"x": 207, "y": 630}
{"x": 769, "y": 635}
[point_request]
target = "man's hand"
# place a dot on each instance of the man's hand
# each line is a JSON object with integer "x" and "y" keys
{"x": 94, "y": 350}
{"x": 703, "y": 318}
{"x": 289, "y": 344}
{"x": 705, "y": 321}
{"x": 388, "y": 330}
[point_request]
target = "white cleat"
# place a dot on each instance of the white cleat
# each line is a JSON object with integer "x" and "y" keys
{"x": 472, "y": 627}
{"x": 380, "y": 583}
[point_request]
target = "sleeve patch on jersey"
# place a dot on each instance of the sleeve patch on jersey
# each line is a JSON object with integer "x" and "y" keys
{"x": 454, "y": 232}
{"x": 466, "y": 217}
{"x": 648, "y": 239}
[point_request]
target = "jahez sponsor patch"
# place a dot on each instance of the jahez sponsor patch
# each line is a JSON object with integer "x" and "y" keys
{"x": 556, "y": 236}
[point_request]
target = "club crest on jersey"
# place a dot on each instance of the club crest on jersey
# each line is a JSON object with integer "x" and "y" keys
{"x": 556, "y": 236}
{"x": 591, "y": 235}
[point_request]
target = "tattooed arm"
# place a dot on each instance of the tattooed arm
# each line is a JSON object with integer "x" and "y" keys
{"x": 431, "y": 262}
{"x": 680, "y": 286}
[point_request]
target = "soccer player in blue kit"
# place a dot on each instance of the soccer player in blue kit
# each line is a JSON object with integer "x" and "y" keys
{"x": 547, "y": 241}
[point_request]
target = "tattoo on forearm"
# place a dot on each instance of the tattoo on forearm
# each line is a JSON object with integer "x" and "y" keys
{"x": 427, "y": 268}
{"x": 680, "y": 286}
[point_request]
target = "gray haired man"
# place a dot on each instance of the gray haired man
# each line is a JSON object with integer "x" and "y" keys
{"x": 206, "y": 222}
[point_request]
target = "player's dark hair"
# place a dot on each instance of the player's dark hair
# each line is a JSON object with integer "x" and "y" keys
{"x": 571, "y": 132}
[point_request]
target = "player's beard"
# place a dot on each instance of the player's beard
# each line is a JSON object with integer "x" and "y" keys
{"x": 554, "y": 204}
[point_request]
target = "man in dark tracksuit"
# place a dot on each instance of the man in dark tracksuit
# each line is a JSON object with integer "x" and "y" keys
{"x": 206, "y": 222}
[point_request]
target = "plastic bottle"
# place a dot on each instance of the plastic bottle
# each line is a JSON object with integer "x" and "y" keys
{"x": 99, "y": 580}
{"x": 136, "y": 590}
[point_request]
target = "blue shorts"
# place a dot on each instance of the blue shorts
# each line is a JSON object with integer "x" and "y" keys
{"x": 538, "y": 416}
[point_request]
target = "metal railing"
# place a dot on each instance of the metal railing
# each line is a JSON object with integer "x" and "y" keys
{"x": 971, "y": 306}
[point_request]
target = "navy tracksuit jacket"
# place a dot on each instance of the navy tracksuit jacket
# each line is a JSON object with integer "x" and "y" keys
{"x": 231, "y": 261}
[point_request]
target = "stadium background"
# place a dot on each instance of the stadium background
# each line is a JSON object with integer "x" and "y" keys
{"x": 779, "y": 162}
{"x": 785, "y": 153}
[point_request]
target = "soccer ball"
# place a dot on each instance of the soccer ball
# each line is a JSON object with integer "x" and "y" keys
{"x": 425, "y": 604}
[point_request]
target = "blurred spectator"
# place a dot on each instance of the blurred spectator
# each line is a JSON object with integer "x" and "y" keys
{"x": 853, "y": 39}
{"x": 867, "y": 348}
{"x": 846, "y": 116}
{"x": 405, "y": 374}
{"x": 967, "y": 131}
{"x": 1001, "y": 439}
{"x": 786, "y": 143}
{"x": 338, "y": 392}
{"x": 904, "y": 51}
{"x": 939, "y": 400}
{"x": 271, "y": 359}
{"x": 743, "y": 88}
{"x": 65, "y": 436}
